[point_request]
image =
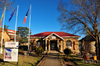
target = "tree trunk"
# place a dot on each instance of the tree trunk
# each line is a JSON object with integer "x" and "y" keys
{"x": 97, "y": 47}
{"x": 66, "y": 57}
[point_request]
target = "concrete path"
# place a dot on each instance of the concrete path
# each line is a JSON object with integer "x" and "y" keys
{"x": 52, "y": 59}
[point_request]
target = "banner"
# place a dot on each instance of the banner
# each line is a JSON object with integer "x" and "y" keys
{"x": 11, "y": 44}
{"x": 11, "y": 55}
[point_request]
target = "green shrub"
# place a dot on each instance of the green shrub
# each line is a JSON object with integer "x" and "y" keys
{"x": 39, "y": 50}
{"x": 67, "y": 51}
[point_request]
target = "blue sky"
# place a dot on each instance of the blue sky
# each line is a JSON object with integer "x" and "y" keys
{"x": 44, "y": 15}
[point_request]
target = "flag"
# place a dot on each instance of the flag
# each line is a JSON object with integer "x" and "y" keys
{"x": 2, "y": 18}
{"x": 12, "y": 14}
{"x": 26, "y": 16}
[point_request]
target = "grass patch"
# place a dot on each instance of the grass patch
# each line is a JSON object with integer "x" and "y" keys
{"x": 79, "y": 61}
{"x": 22, "y": 61}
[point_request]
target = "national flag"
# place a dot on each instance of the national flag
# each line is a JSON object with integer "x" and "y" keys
{"x": 2, "y": 18}
{"x": 26, "y": 16}
{"x": 12, "y": 14}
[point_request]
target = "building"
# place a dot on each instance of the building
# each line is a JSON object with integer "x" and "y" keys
{"x": 8, "y": 35}
{"x": 88, "y": 44}
{"x": 11, "y": 33}
{"x": 55, "y": 41}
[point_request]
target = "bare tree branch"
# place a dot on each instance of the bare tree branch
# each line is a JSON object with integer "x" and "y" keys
{"x": 83, "y": 18}
{"x": 7, "y": 3}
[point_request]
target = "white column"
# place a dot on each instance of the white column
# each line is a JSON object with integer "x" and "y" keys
{"x": 45, "y": 44}
{"x": 61, "y": 44}
{"x": 58, "y": 43}
{"x": 49, "y": 45}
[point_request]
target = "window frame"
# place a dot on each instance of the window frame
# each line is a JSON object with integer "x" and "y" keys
{"x": 69, "y": 45}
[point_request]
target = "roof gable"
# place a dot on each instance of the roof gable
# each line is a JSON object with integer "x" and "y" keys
{"x": 45, "y": 34}
{"x": 53, "y": 34}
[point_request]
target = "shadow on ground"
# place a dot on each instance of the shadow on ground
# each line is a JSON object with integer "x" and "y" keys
{"x": 3, "y": 62}
{"x": 53, "y": 57}
{"x": 53, "y": 54}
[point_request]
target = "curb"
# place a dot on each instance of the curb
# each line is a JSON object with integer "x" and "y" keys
{"x": 41, "y": 61}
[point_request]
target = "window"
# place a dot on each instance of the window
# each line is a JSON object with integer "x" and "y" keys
{"x": 69, "y": 43}
{"x": 37, "y": 44}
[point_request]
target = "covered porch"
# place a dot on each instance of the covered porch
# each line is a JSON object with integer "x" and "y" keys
{"x": 53, "y": 42}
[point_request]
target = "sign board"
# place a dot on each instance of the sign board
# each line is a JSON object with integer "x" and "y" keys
{"x": 53, "y": 37}
{"x": 11, "y": 44}
{"x": 11, "y": 55}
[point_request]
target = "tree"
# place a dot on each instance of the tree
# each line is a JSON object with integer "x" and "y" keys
{"x": 67, "y": 52}
{"x": 5, "y": 28}
{"x": 7, "y": 3}
{"x": 39, "y": 50}
{"x": 23, "y": 32}
{"x": 83, "y": 17}
{"x": 18, "y": 38}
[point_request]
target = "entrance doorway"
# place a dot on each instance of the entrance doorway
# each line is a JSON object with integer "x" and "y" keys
{"x": 53, "y": 45}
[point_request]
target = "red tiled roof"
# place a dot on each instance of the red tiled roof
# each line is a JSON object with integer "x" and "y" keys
{"x": 10, "y": 30}
{"x": 44, "y": 34}
{"x": 10, "y": 33}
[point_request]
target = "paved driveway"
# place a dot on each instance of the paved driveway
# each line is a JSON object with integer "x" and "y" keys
{"x": 52, "y": 59}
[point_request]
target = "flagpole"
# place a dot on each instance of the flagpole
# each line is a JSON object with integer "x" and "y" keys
{"x": 29, "y": 30}
{"x": 16, "y": 23}
{"x": 3, "y": 28}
